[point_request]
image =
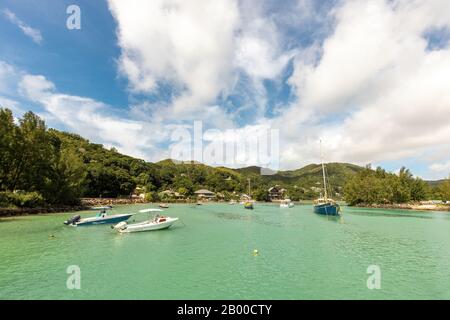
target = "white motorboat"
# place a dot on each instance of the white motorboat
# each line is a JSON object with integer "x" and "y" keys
{"x": 100, "y": 218}
{"x": 286, "y": 203}
{"x": 156, "y": 223}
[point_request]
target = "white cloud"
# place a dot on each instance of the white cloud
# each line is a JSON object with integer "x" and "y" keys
{"x": 441, "y": 168}
{"x": 33, "y": 33}
{"x": 92, "y": 119}
{"x": 12, "y": 105}
{"x": 185, "y": 43}
{"x": 366, "y": 84}
{"x": 202, "y": 49}
{"x": 9, "y": 77}
{"x": 375, "y": 93}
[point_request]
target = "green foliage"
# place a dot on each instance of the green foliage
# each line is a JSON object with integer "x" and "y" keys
{"x": 261, "y": 194}
{"x": 33, "y": 160}
{"x": 378, "y": 186}
{"x": 21, "y": 199}
{"x": 151, "y": 197}
{"x": 442, "y": 190}
{"x": 62, "y": 167}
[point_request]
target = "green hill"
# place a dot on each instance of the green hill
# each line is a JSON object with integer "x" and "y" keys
{"x": 59, "y": 167}
{"x": 111, "y": 174}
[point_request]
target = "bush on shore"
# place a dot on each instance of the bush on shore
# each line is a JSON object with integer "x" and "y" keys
{"x": 380, "y": 187}
{"x": 21, "y": 199}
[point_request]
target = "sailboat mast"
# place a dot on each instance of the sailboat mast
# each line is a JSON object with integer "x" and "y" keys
{"x": 323, "y": 173}
{"x": 249, "y": 188}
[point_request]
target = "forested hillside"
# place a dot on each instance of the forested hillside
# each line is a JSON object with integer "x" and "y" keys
{"x": 41, "y": 166}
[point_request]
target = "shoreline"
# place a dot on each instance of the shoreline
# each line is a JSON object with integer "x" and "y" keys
{"x": 12, "y": 212}
{"x": 406, "y": 206}
{"x": 87, "y": 203}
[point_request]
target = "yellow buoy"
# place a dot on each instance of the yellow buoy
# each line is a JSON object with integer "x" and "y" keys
{"x": 255, "y": 252}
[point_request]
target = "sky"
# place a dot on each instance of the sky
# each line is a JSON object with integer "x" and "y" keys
{"x": 370, "y": 79}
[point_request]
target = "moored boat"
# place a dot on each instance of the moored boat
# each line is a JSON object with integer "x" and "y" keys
{"x": 286, "y": 203}
{"x": 100, "y": 218}
{"x": 248, "y": 205}
{"x": 325, "y": 205}
{"x": 156, "y": 223}
{"x": 163, "y": 205}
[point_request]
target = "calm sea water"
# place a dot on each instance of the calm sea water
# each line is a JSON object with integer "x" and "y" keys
{"x": 209, "y": 255}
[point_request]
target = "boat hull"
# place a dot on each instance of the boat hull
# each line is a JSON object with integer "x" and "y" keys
{"x": 286, "y": 205}
{"x": 329, "y": 209}
{"x": 106, "y": 220}
{"x": 146, "y": 226}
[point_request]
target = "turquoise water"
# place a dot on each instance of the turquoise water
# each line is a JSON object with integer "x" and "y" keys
{"x": 209, "y": 255}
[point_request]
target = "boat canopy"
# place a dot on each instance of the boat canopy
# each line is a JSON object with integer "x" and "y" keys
{"x": 324, "y": 200}
{"x": 150, "y": 210}
{"x": 101, "y": 208}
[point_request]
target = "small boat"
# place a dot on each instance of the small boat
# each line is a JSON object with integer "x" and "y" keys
{"x": 100, "y": 218}
{"x": 325, "y": 205}
{"x": 163, "y": 205}
{"x": 199, "y": 203}
{"x": 286, "y": 203}
{"x": 248, "y": 205}
{"x": 156, "y": 223}
{"x": 232, "y": 202}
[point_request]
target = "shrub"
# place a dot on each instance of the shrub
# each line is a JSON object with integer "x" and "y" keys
{"x": 21, "y": 199}
{"x": 151, "y": 197}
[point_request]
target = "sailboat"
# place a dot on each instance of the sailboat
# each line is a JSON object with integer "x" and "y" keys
{"x": 249, "y": 203}
{"x": 325, "y": 205}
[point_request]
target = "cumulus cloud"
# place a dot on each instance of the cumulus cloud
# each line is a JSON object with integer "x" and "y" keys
{"x": 33, "y": 33}
{"x": 204, "y": 50}
{"x": 366, "y": 78}
{"x": 441, "y": 168}
{"x": 91, "y": 118}
{"x": 9, "y": 77}
{"x": 375, "y": 92}
{"x": 185, "y": 43}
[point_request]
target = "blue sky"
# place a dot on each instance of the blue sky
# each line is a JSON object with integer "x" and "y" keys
{"x": 368, "y": 78}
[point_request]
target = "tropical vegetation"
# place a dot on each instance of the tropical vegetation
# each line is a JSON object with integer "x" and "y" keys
{"x": 45, "y": 167}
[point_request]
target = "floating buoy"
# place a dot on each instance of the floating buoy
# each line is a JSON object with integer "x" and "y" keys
{"x": 255, "y": 252}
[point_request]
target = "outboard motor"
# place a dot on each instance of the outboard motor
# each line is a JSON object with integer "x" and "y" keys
{"x": 120, "y": 226}
{"x": 73, "y": 220}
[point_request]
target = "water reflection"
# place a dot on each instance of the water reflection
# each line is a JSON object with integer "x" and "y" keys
{"x": 400, "y": 214}
{"x": 337, "y": 219}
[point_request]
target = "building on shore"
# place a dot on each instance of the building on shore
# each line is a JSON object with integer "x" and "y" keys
{"x": 204, "y": 194}
{"x": 432, "y": 202}
{"x": 276, "y": 193}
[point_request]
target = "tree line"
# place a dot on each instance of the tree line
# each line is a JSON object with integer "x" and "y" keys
{"x": 44, "y": 167}
{"x": 34, "y": 167}
{"x": 41, "y": 166}
{"x": 381, "y": 187}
